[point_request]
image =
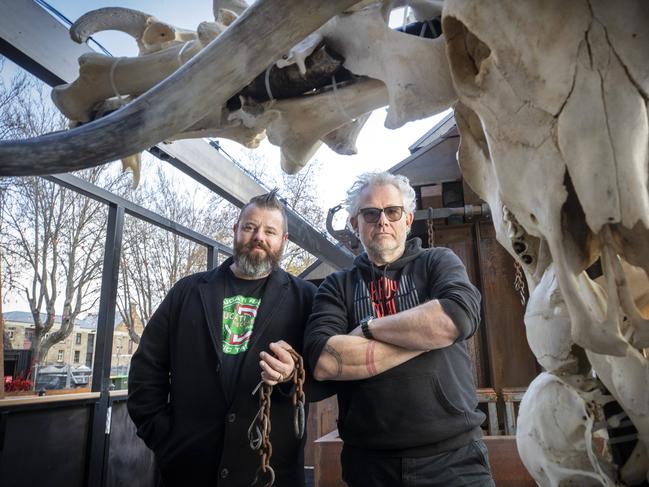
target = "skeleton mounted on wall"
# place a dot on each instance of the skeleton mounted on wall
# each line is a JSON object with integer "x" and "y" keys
{"x": 550, "y": 99}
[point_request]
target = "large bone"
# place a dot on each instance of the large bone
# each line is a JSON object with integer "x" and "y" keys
{"x": 626, "y": 378}
{"x": 150, "y": 34}
{"x": 556, "y": 95}
{"x": 183, "y": 98}
{"x": 609, "y": 168}
{"x": 556, "y": 420}
{"x": 414, "y": 70}
{"x": 102, "y": 77}
{"x": 479, "y": 172}
{"x": 547, "y": 325}
{"x": 520, "y": 131}
{"x": 540, "y": 444}
{"x": 236, "y": 6}
{"x": 297, "y": 125}
{"x": 298, "y": 120}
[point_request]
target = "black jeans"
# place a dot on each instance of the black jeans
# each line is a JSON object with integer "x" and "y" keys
{"x": 466, "y": 466}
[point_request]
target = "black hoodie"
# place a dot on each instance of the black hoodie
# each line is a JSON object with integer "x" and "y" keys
{"x": 425, "y": 405}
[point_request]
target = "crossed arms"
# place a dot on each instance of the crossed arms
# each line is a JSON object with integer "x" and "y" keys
{"x": 397, "y": 339}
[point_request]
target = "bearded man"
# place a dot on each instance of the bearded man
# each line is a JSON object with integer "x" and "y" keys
{"x": 202, "y": 353}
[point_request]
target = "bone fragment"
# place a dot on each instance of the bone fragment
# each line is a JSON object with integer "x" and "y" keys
{"x": 300, "y": 52}
{"x": 134, "y": 164}
{"x": 343, "y": 139}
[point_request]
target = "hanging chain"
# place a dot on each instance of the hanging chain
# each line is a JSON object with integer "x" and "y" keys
{"x": 519, "y": 283}
{"x": 298, "y": 394}
{"x": 431, "y": 231}
{"x": 259, "y": 430}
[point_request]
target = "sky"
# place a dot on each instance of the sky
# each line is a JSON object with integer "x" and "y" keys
{"x": 378, "y": 147}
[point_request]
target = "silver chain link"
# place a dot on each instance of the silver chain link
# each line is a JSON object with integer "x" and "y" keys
{"x": 519, "y": 282}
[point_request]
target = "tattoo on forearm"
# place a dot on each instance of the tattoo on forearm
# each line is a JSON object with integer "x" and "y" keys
{"x": 339, "y": 360}
{"x": 369, "y": 358}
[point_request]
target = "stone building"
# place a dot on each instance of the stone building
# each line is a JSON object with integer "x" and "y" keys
{"x": 79, "y": 347}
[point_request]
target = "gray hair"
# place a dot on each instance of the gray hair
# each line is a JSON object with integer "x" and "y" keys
{"x": 352, "y": 202}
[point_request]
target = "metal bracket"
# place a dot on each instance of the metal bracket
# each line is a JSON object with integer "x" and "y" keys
{"x": 344, "y": 236}
{"x": 109, "y": 418}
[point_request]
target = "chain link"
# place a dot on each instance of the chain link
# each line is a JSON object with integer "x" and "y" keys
{"x": 519, "y": 282}
{"x": 259, "y": 430}
{"x": 431, "y": 230}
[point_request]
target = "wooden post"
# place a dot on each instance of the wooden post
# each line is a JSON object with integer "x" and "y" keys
{"x": 511, "y": 395}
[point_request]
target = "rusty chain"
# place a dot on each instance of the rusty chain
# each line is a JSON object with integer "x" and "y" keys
{"x": 259, "y": 430}
{"x": 519, "y": 282}
{"x": 429, "y": 227}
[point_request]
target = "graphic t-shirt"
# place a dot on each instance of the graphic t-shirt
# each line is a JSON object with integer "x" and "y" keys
{"x": 240, "y": 306}
{"x": 239, "y": 313}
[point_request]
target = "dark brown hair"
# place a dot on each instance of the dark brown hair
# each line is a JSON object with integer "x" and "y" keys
{"x": 270, "y": 201}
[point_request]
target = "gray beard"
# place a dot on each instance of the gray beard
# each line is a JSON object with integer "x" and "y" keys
{"x": 252, "y": 267}
{"x": 380, "y": 252}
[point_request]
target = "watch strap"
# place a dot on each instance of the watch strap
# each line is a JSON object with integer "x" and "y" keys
{"x": 365, "y": 327}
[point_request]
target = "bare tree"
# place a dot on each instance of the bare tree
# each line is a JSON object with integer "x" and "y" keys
{"x": 52, "y": 237}
{"x": 301, "y": 194}
{"x": 153, "y": 259}
{"x": 3, "y": 337}
{"x": 11, "y": 91}
{"x": 55, "y": 239}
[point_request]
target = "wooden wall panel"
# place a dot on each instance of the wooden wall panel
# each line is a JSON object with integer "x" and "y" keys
{"x": 460, "y": 239}
{"x": 511, "y": 361}
{"x": 322, "y": 420}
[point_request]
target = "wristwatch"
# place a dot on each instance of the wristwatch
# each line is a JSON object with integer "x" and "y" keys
{"x": 365, "y": 327}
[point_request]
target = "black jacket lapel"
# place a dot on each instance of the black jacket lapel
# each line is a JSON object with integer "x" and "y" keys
{"x": 274, "y": 295}
{"x": 212, "y": 291}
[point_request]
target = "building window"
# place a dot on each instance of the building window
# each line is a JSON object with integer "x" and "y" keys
{"x": 77, "y": 341}
{"x": 77, "y": 354}
{"x": 59, "y": 357}
{"x": 10, "y": 333}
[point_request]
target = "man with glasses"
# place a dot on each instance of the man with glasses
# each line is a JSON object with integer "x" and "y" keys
{"x": 392, "y": 330}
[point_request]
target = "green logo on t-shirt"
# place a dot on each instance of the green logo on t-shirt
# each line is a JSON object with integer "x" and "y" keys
{"x": 239, "y": 313}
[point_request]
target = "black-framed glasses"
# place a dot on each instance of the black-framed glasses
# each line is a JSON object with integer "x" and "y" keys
{"x": 372, "y": 215}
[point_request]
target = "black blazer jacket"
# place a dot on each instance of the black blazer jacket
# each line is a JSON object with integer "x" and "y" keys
{"x": 176, "y": 397}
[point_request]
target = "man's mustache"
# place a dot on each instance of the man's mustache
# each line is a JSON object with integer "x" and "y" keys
{"x": 256, "y": 245}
